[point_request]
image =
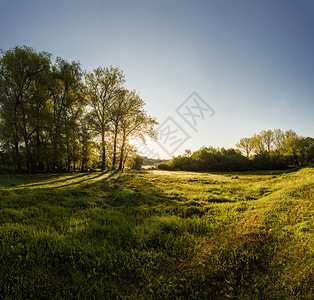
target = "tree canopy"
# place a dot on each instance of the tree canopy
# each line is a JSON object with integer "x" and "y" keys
{"x": 56, "y": 117}
{"x": 268, "y": 150}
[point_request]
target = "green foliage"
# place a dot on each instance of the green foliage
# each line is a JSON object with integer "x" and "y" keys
{"x": 273, "y": 150}
{"x": 136, "y": 162}
{"x": 40, "y": 103}
{"x": 53, "y": 119}
{"x": 277, "y": 149}
{"x": 264, "y": 161}
{"x": 158, "y": 235}
{"x": 163, "y": 166}
{"x": 208, "y": 159}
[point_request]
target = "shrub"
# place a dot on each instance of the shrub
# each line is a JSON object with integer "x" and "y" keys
{"x": 136, "y": 162}
{"x": 163, "y": 166}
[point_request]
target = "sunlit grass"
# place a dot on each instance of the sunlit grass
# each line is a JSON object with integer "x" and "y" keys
{"x": 12, "y": 182}
{"x": 157, "y": 234}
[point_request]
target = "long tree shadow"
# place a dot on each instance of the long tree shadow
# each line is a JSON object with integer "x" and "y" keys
{"x": 96, "y": 180}
{"x": 90, "y": 180}
{"x": 113, "y": 173}
{"x": 119, "y": 192}
{"x": 56, "y": 181}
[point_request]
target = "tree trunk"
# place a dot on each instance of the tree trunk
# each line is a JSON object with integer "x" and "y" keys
{"x": 115, "y": 148}
{"x": 27, "y": 156}
{"x": 125, "y": 157}
{"x": 296, "y": 159}
{"x": 103, "y": 149}
{"x": 121, "y": 154}
{"x": 69, "y": 165}
{"x": 38, "y": 151}
{"x": 17, "y": 162}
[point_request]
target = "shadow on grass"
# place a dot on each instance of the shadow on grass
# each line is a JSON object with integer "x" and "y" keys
{"x": 58, "y": 181}
{"x": 91, "y": 178}
{"x": 163, "y": 249}
{"x": 233, "y": 173}
{"x": 220, "y": 200}
{"x": 15, "y": 180}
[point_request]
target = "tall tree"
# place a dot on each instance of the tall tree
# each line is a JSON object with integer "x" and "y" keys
{"x": 87, "y": 144}
{"x": 66, "y": 98}
{"x": 246, "y": 145}
{"x": 307, "y": 151}
{"x": 116, "y": 114}
{"x": 267, "y": 138}
{"x": 259, "y": 146}
{"x": 135, "y": 123}
{"x": 278, "y": 139}
{"x": 20, "y": 67}
{"x": 38, "y": 114}
{"x": 51, "y": 120}
{"x": 292, "y": 145}
{"x": 102, "y": 87}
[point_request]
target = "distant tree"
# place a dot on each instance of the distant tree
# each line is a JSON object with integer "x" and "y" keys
{"x": 264, "y": 161}
{"x": 246, "y": 145}
{"x": 307, "y": 150}
{"x": 210, "y": 159}
{"x": 278, "y": 139}
{"x": 267, "y": 138}
{"x": 182, "y": 163}
{"x": 292, "y": 145}
{"x": 206, "y": 159}
{"x": 259, "y": 146}
{"x": 164, "y": 166}
{"x": 136, "y": 162}
{"x": 187, "y": 153}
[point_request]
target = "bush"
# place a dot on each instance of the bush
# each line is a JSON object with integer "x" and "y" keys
{"x": 264, "y": 161}
{"x": 209, "y": 159}
{"x": 136, "y": 162}
{"x": 164, "y": 166}
{"x": 224, "y": 160}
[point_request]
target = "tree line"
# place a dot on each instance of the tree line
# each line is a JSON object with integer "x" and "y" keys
{"x": 268, "y": 150}
{"x": 291, "y": 148}
{"x": 56, "y": 117}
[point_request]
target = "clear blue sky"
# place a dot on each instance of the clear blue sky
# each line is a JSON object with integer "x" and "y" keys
{"x": 251, "y": 61}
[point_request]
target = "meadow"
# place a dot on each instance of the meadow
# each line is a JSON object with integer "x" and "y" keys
{"x": 157, "y": 235}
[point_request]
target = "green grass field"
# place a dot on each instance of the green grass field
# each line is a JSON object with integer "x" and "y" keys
{"x": 157, "y": 235}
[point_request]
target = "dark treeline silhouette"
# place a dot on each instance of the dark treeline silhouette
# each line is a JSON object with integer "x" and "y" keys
{"x": 55, "y": 117}
{"x": 268, "y": 150}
